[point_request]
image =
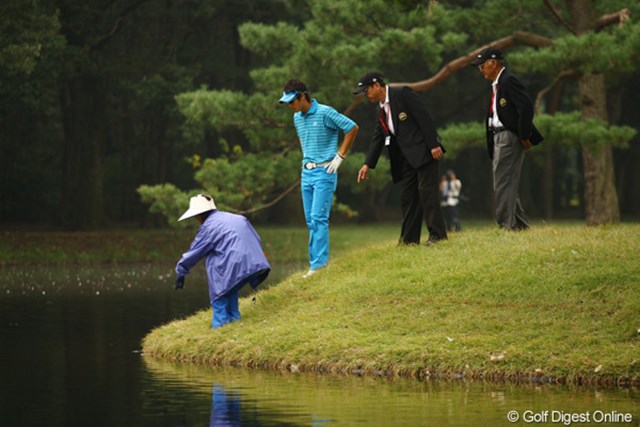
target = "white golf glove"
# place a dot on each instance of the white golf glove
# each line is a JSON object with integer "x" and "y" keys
{"x": 334, "y": 164}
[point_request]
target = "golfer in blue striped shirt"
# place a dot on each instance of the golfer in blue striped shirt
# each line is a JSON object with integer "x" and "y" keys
{"x": 318, "y": 127}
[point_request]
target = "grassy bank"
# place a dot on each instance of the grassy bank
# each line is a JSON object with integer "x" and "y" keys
{"x": 556, "y": 303}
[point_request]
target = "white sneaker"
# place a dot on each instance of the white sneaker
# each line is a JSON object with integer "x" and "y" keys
{"x": 309, "y": 274}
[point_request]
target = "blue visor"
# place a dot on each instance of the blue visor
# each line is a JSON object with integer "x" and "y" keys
{"x": 287, "y": 97}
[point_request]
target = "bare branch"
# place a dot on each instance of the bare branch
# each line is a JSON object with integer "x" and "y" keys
{"x": 517, "y": 38}
{"x": 356, "y": 101}
{"x": 281, "y": 196}
{"x": 563, "y": 75}
{"x": 114, "y": 29}
{"x": 619, "y": 17}
{"x": 555, "y": 12}
{"x": 116, "y": 25}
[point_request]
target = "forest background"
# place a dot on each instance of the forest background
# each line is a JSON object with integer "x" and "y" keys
{"x": 112, "y": 113}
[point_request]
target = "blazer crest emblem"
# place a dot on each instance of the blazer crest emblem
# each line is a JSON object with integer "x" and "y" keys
{"x": 402, "y": 116}
{"x": 503, "y": 102}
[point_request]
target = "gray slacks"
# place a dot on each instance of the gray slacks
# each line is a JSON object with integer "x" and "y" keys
{"x": 508, "y": 156}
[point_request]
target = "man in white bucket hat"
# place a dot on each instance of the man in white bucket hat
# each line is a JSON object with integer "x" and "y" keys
{"x": 233, "y": 252}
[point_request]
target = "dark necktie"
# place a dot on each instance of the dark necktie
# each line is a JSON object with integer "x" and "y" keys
{"x": 383, "y": 120}
{"x": 493, "y": 99}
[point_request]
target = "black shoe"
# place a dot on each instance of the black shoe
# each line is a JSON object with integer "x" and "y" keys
{"x": 433, "y": 241}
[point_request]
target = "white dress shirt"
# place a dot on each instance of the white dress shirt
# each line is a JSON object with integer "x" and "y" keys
{"x": 494, "y": 121}
{"x": 387, "y": 109}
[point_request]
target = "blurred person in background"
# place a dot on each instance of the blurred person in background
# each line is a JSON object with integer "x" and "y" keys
{"x": 450, "y": 187}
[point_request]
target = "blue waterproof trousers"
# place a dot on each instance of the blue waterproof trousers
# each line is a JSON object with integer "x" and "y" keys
{"x": 225, "y": 309}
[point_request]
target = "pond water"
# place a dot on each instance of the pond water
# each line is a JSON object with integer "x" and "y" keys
{"x": 69, "y": 356}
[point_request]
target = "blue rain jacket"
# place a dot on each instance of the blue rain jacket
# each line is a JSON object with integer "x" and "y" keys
{"x": 233, "y": 253}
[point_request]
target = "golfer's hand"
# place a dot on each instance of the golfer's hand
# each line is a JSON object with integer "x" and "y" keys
{"x": 437, "y": 153}
{"x": 526, "y": 144}
{"x": 179, "y": 282}
{"x": 363, "y": 173}
{"x": 334, "y": 164}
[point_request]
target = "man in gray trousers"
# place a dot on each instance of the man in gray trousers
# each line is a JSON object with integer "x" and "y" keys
{"x": 510, "y": 132}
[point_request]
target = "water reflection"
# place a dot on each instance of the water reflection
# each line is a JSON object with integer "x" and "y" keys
{"x": 225, "y": 411}
{"x": 258, "y": 398}
{"x": 52, "y": 281}
{"x": 235, "y": 397}
{"x": 230, "y": 408}
{"x": 69, "y": 338}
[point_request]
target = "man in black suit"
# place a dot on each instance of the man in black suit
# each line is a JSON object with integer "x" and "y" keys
{"x": 510, "y": 132}
{"x": 405, "y": 127}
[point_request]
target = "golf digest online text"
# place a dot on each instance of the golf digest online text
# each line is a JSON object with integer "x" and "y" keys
{"x": 570, "y": 418}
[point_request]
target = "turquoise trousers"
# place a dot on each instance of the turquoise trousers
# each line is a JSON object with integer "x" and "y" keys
{"x": 317, "y": 187}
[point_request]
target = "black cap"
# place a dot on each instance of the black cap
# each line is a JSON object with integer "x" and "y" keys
{"x": 367, "y": 80}
{"x": 488, "y": 53}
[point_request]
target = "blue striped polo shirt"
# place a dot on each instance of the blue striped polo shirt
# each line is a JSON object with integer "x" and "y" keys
{"x": 318, "y": 131}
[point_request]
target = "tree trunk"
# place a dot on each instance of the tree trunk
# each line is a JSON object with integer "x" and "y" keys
{"x": 82, "y": 108}
{"x": 601, "y": 198}
{"x": 552, "y": 107}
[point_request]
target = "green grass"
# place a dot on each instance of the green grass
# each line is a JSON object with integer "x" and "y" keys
{"x": 559, "y": 303}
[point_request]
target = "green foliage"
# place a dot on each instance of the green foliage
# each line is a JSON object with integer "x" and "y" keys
{"x": 238, "y": 185}
{"x": 272, "y": 41}
{"x": 28, "y": 33}
{"x": 340, "y": 41}
{"x": 248, "y": 182}
{"x": 256, "y": 116}
{"x": 354, "y": 198}
{"x": 492, "y": 19}
{"x": 217, "y": 109}
{"x": 157, "y": 91}
{"x": 562, "y": 129}
{"x": 88, "y": 89}
{"x": 452, "y": 41}
{"x": 30, "y": 44}
{"x": 566, "y": 129}
{"x": 615, "y": 50}
{"x": 458, "y": 136}
{"x": 378, "y": 178}
{"x": 407, "y": 40}
{"x": 166, "y": 200}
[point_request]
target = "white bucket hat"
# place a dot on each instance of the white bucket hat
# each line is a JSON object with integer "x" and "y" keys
{"x": 198, "y": 204}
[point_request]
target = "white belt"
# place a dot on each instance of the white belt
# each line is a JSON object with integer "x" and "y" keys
{"x": 311, "y": 165}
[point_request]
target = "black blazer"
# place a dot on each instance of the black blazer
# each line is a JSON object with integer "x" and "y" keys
{"x": 515, "y": 111}
{"x": 415, "y": 133}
